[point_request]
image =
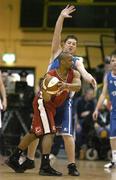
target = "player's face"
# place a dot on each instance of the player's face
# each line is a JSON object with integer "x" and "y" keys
{"x": 113, "y": 63}
{"x": 70, "y": 46}
{"x": 68, "y": 62}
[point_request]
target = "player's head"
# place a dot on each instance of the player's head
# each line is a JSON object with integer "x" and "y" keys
{"x": 65, "y": 60}
{"x": 70, "y": 44}
{"x": 89, "y": 94}
{"x": 113, "y": 61}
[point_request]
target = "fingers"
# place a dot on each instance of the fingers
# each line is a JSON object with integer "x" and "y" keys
{"x": 69, "y": 16}
{"x": 67, "y": 11}
{"x": 70, "y": 9}
{"x": 67, "y": 6}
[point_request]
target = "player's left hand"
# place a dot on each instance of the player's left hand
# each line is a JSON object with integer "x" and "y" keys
{"x": 62, "y": 87}
{"x": 67, "y": 11}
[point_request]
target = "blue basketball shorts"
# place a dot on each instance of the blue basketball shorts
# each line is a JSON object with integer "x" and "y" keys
{"x": 113, "y": 124}
{"x": 63, "y": 118}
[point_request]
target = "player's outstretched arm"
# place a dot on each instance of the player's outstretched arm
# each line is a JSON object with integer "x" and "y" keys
{"x": 101, "y": 99}
{"x": 86, "y": 76}
{"x": 56, "y": 41}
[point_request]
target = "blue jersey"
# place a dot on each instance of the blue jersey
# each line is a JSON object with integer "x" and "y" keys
{"x": 111, "y": 80}
{"x": 64, "y": 113}
{"x": 55, "y": 63}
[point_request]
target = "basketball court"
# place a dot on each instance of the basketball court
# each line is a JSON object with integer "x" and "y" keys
{"x": 89, "y": 170}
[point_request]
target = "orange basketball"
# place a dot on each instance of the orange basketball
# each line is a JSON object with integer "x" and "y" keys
{"x": 51, "y": 85}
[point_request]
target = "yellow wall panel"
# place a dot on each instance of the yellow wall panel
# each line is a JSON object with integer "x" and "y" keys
{"x": 11, "y": 37}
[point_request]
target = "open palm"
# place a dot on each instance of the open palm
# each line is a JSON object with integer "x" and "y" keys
{"x": 67, "y": 11}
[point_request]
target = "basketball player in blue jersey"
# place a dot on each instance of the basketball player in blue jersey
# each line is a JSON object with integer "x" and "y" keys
{"x": 109, "y": 88}
{"x": 64, "y": 114}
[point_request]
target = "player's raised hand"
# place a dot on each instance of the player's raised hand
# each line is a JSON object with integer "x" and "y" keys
{"x": 67, "y": 11}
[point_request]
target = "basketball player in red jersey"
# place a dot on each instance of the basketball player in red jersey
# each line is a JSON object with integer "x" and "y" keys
{"x": 45, "y": 105}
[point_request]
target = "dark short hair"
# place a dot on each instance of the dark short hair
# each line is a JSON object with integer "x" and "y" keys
{"x": 113, "y": 55}
{"x": 71, "y": 36}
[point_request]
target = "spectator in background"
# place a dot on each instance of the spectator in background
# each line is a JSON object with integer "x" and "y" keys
{"x": 107, "y": 66}
{"x": 25, "y": 91}
{"x": 84, "y": 108}
{"x": 26, "y": 95}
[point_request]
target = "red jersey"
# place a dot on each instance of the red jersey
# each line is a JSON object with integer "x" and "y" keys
{"x": 58, "y": 100}
{"x": 44, "y": 112}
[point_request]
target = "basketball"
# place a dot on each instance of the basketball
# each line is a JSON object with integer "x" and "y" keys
{"x": 50, "y": 84}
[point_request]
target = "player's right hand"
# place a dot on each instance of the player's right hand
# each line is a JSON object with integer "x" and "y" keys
{"x": 67, "y": 11}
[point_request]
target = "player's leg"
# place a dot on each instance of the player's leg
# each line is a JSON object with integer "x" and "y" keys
{"x": 68, "y": 136}
{"x": 45, "y": 167}
{"x": 58, "y": 140}
{"x": 13, "y": 160}
{"x": 36, "y": 125}
{"x": 69, "y": 148}
{"x": 46, "y": 148}
{"x": 29, "y": 162}
{"x": 112, "y": 142}
{"x": 28, "y": 138}
{"x": 113, "y": 149}
{"x": 63, "y": 118}
{"x": 32, "y": 149}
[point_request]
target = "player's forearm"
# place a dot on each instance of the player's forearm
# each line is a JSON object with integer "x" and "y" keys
{"x": 74, "y": 87}
{"x": 56, "y": 42}
{"x": 80, "y": 67}
{"x": 59, "y": 25}
{"x": 87, "y": 76}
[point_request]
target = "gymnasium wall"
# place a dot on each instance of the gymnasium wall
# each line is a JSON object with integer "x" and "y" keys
{"x": 33, "y": 48}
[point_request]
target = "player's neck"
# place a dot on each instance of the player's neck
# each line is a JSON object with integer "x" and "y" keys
{"x": 62, "y": 73}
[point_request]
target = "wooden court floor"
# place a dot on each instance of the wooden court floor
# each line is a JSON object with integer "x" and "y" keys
{"x": 90, "y": 170}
